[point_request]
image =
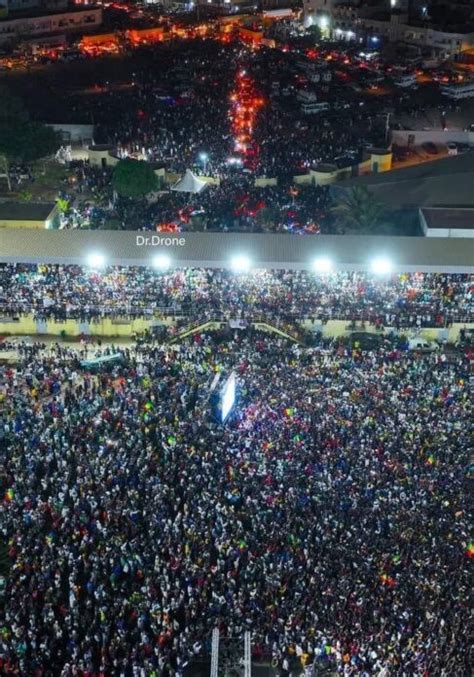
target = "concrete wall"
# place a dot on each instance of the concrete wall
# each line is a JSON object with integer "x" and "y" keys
{"x": 75, "y": 133}
{"x": 336, "y": 328}
{"x": 28, "y": 326}
{"x": 97, "y": 156}
{"x": 7, "y": 223}
{"x": 400, "y": 137}
{"x": 262, "y": 182}
{"x": 449, "y": 232}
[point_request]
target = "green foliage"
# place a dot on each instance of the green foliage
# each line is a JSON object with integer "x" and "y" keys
{"x": 360, "y": 212}
{"x": 26, "y": 195}
{"x": 134, "y": 178}
{"x": 315, "y": 32}
{"x": 63, "y": 205}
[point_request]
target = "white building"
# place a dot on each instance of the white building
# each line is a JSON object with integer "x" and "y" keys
{"x": 80, "y": 19}
{"x": 346, "y": 20}
{"x": 447, "y": 222}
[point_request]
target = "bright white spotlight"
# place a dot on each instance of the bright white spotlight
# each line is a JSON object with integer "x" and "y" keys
{"x": 96, "y": 260}
{"x": 240, "y": 264}
{"x": 323, "y": 22}
{"x": 381, "y": 266}
{"x": 322, "y": 265}
{"x": 162, "y": 262}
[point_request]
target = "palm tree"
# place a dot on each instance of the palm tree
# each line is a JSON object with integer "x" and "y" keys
{"x": 359, "y": 211}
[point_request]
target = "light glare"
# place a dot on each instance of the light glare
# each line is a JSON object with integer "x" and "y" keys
{"x": 162, "y": 262}
{"x": 240, "y": 264}
{"x": 322, "y": 265}
{"x": 381, "y": 266}
{"x": 96, "y": 260}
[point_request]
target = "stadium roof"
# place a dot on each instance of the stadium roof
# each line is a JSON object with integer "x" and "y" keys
{"x": 446, "y": 182}
{"x": 215, "y": 250}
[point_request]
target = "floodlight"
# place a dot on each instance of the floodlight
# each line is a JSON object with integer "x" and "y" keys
{"x": 322, "y": 265}
{"x": 240, "y": 264}
{"x": 323, "y": 22}
{"x": 381, "y": 266}
{"x": 162, "y": 261}
{"x": 96, "y": 260}
{"x": 204, "y": 157}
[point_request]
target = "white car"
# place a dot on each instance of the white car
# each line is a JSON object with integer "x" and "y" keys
{"x": 422, "y": 345}
{"x": 452, "y": 148}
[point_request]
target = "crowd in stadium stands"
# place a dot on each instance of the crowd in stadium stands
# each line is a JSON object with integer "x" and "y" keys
{"x": 329, "y": 515}
{"x": 60, "y": 292}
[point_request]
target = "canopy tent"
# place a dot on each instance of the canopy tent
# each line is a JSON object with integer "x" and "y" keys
{"x": 189, "y": 183}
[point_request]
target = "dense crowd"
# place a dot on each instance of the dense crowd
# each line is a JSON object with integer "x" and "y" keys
{"x": 329, "y": 515}
{"x": 179, "y": 112}
{"x": 180, "y": 106}
{"x": 406, "y": 300}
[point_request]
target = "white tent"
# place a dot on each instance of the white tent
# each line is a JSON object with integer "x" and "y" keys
{"x": 189, "y": 183}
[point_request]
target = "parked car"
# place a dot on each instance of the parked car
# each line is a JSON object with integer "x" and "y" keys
{"x": 452, "y": 148}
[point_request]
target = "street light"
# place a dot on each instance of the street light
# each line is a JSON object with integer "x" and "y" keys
{"x": 204, "y": 157}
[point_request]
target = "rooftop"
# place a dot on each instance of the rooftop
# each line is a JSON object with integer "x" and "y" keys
{"x": 213, "y": 250}
{"x": 25, "y": 211}
{"x": 40, "y": 12}
{"x": 438, "y": 183}
{"x": 440, "y": 217}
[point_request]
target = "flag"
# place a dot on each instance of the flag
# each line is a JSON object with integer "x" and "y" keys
{"x": 290, "y": 411}
{"x": 430, "y": 460}
{"x": 470, "y": 549}
{"x": 388, "y": 580}
{"x": 9, "y": 494}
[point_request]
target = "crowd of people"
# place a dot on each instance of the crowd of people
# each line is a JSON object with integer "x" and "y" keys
{"x": 182, "y": 107}
{"x": 328, "y": 516}
{"x": 404, "y": 300}
{"x": 179, "y": 112}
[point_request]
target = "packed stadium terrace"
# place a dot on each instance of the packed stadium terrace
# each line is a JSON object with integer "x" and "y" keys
{"x": 61, "y": 292}
{"x": 329, "y": 515}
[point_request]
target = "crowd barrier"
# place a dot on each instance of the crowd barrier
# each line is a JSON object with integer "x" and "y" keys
{"x": 27, "y": 325}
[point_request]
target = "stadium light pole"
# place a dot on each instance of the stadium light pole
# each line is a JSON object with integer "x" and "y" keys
{"x": 204, "y": 157}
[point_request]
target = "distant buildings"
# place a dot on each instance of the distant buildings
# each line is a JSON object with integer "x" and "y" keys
{"x": 376, "y": 21}
{"x": 38, "y": 22}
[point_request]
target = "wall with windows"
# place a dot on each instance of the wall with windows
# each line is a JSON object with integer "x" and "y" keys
{"x": 83, "y": 20}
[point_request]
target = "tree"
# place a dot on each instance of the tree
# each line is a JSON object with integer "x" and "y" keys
{"x": 315, "y": 32}
{"x": 360, "y": 211}
{"x": 134, "y": 178}
{"x": 20, "y": 138}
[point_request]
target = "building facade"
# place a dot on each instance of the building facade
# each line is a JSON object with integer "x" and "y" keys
{"x": 83, "y": 20}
